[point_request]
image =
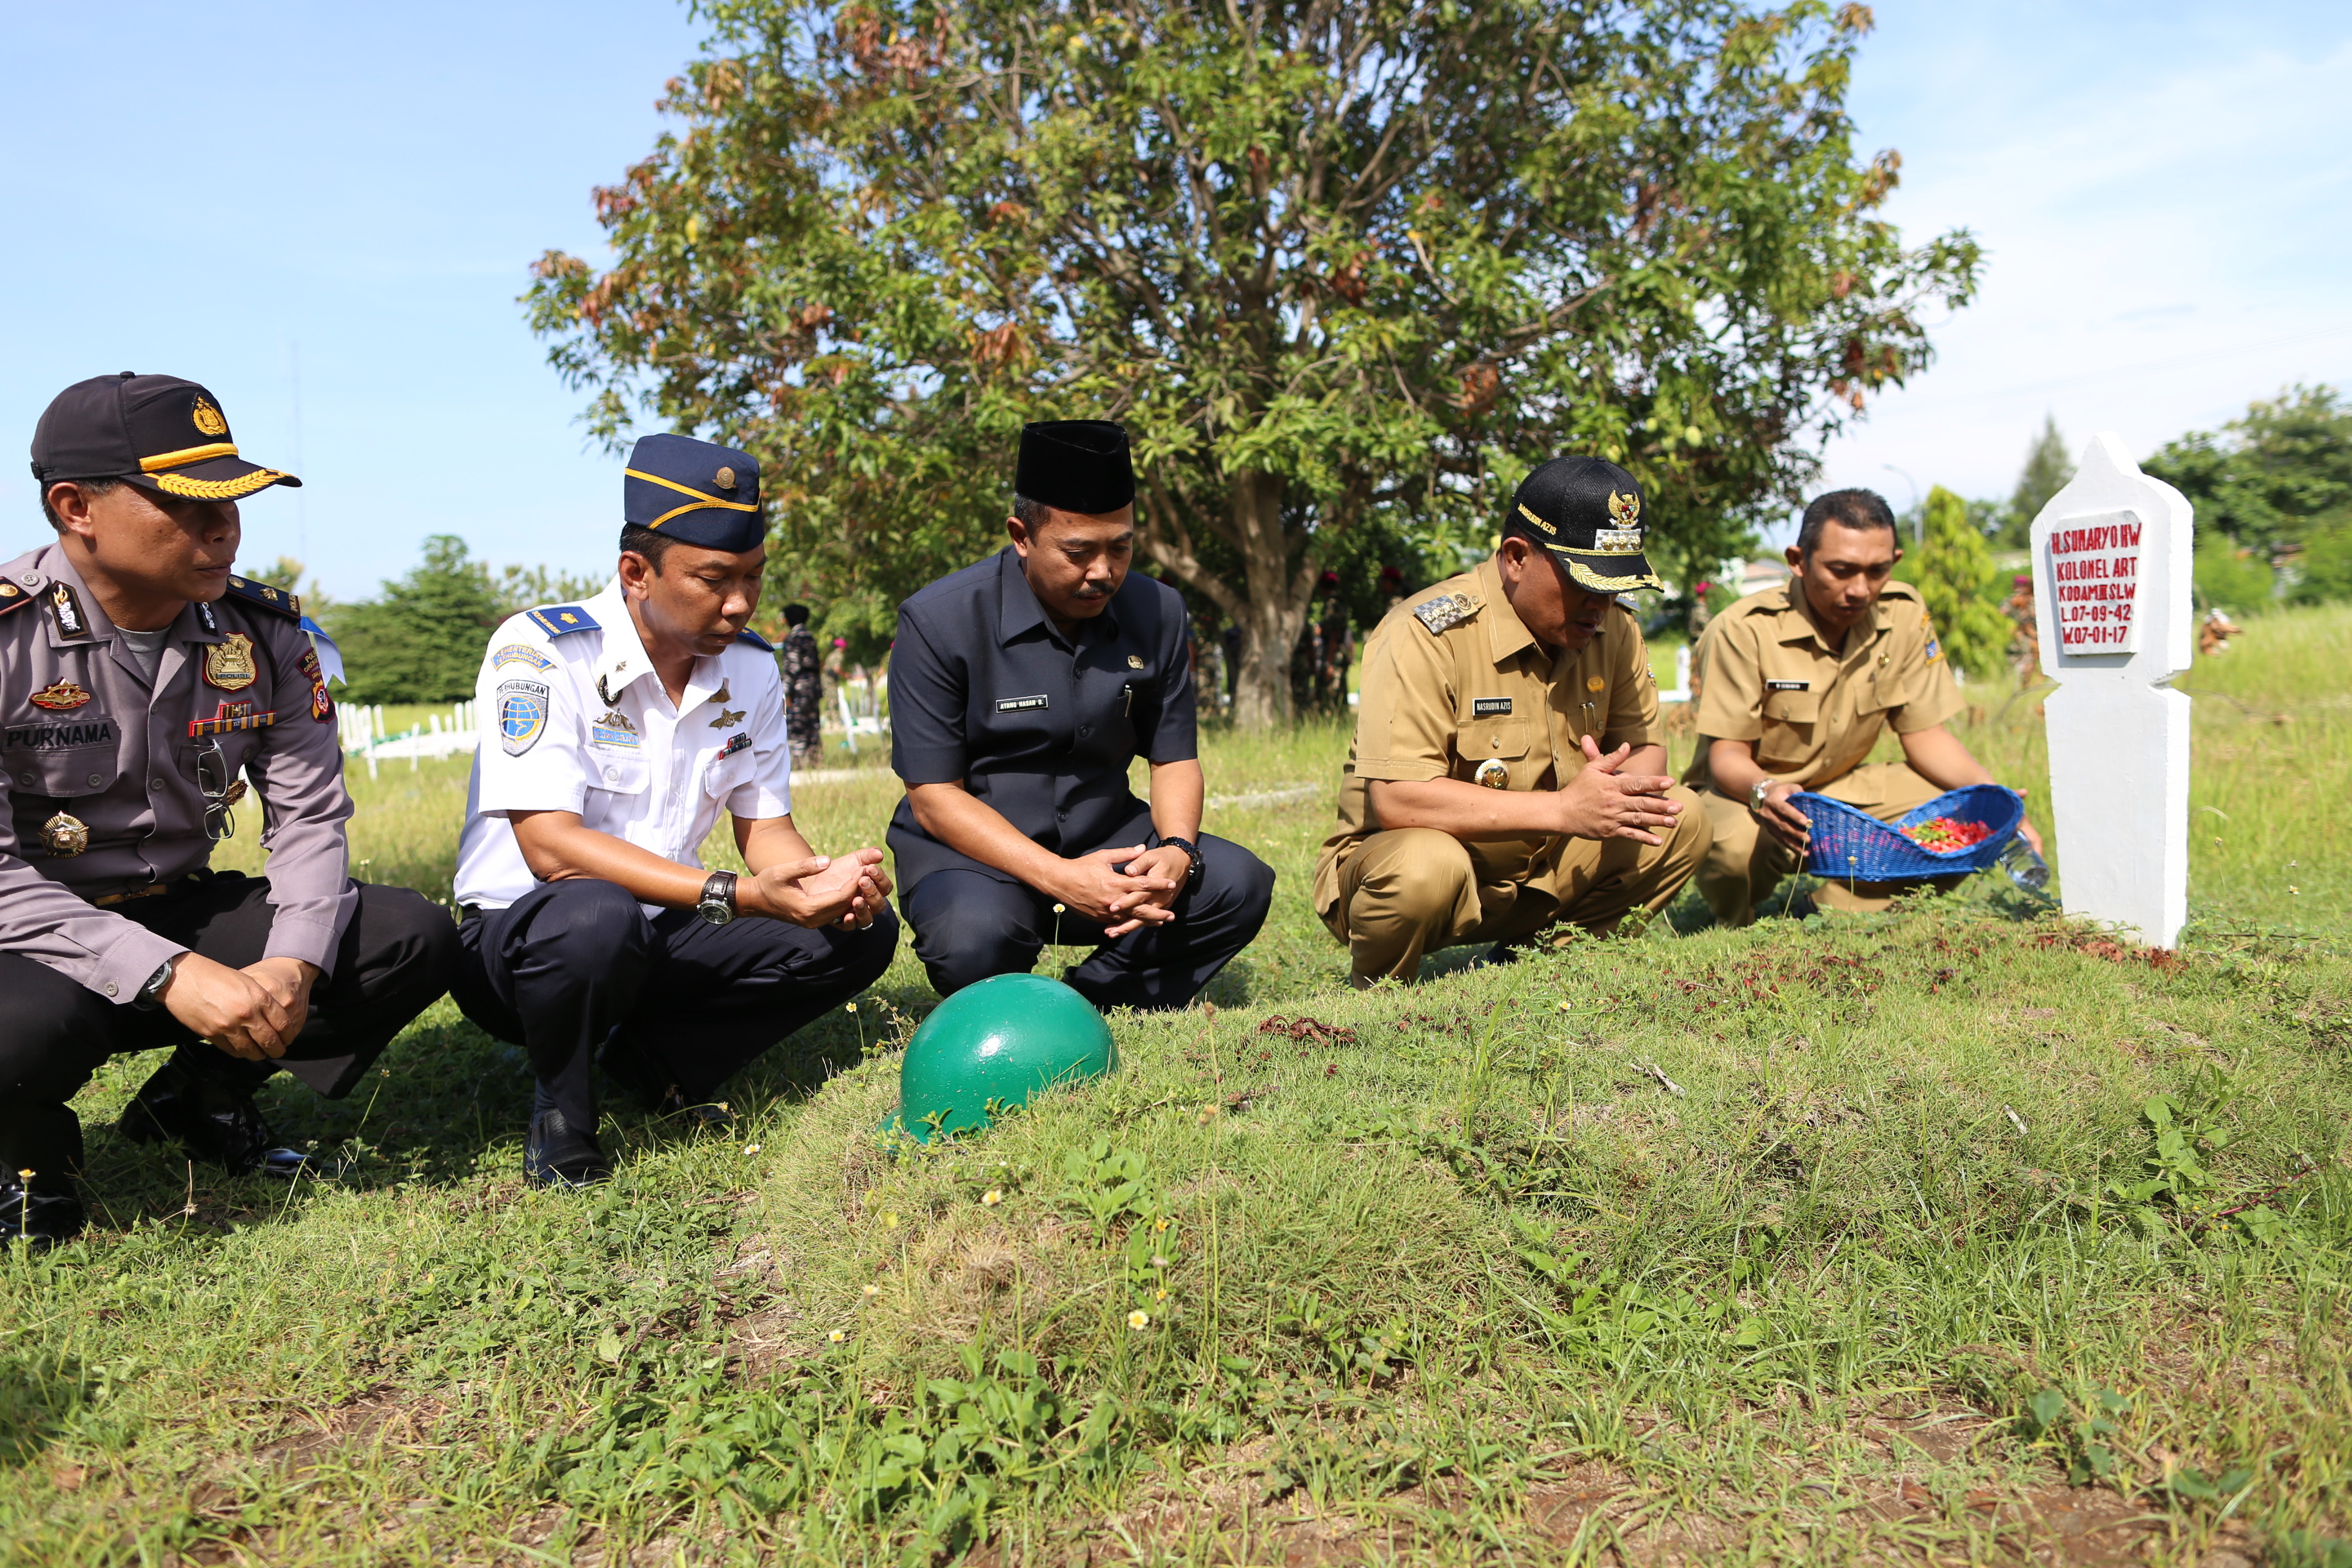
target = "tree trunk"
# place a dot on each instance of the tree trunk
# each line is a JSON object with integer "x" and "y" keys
{"x": 1275, "y": 605}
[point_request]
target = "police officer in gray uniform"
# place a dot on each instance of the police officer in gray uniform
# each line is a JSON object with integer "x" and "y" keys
{"x": 1021, "y": 688}
{"x": 140, "y": 685}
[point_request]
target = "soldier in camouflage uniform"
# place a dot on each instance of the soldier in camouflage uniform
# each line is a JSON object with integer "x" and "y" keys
{"x": 803, "y": 689}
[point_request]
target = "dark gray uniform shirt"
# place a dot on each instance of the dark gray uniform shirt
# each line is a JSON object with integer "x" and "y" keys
{"x": 86, "y": 734}
{"x": 986, "y": 692}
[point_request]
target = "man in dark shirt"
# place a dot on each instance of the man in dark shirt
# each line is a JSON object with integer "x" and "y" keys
{"x": 804, "y": 688}
{"x": 1021, "y": 688}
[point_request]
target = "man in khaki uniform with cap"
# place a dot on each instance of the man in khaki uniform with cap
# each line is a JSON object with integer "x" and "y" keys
{"x": 1795, "y": 685}
{"x": 1507, "y": 765}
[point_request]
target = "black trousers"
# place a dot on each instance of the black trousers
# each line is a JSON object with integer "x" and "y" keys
{"x": 396, "y": 958}
{"x": 970, "y": 925}
{"x": 575, "y": 965}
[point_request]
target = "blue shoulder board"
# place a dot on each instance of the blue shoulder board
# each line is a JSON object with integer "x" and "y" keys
{"x": 268, "y": 599}
{"x": 556, "y": 620}
{"x": 755, "y": 640}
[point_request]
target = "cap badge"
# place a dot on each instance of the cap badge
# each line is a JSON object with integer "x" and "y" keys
{"x": 208, "y": 418}
{"x": 1625, "y": 510}
{"x": 725, "y": 479}
{"x": 59, "y": 697}
{"x": 1494, "y": 773}
{"x": 228, "y": 664}
{"x": 64, "y": 836}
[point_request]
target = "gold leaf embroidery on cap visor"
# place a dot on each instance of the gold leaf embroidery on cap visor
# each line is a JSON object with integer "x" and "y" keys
{"x": 218, "y": 489}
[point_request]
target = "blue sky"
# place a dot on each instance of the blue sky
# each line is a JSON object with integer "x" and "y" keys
{"x": 259, "y": 193}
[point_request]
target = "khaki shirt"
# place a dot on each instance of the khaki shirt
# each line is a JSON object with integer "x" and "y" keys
{"x": 1764, "y": 672}
{"x": 1453, "y": 679}
{"x": 83, "y": 737}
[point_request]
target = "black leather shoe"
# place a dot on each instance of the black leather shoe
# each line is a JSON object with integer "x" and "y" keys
{"x": 40, "y": 1219}
{"x": 213, "y": 1121}
{"x": 558, "y": 1155}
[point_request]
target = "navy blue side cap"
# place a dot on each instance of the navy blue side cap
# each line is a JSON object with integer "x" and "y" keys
{"x": 560, "y": 620}
{"x": 696, "y": 492}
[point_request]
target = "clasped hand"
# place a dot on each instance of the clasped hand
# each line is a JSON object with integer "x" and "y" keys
{"x": 255, "y": 1011}
{"x": 847, "y": 890}
{"x": 1124, "y": 890}
{"x": 1604, "y": 802}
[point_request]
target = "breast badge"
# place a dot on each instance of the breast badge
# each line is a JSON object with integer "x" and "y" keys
{"x": 522, "y": 715}
{"x": 728, "y": 719}
{"x": 1494, "y": 773}
{"x": 60, "y": 696}
{"x": 228, "y": 663}
{"x": 1595, "y": 682}
{"x": 1135, "y": 661}
{"x": 64, "y": 837}
{"x": 613, "y": 728}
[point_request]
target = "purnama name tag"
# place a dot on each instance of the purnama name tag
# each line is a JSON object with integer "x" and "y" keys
{"x": 1020, "y": 704}
{"x": 1482, "y": 706}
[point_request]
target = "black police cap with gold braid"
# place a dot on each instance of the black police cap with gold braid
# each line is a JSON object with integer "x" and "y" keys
{"x": 1587, "y": 512}
{"x": 696, "y": 492}
{"x": 159, "y": 431}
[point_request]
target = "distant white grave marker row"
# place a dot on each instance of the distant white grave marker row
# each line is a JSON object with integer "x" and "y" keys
{"x": 2111, "y": 580}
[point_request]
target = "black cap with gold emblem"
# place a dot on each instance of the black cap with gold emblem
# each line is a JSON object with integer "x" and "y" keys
{"x": 159, "y": 431}
{"x": 1587, "y": 512}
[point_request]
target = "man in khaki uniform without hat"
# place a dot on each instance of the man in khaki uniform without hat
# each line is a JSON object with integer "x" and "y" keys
{"x": 1795, "y": 685}
{"x": 1508, "y": 768}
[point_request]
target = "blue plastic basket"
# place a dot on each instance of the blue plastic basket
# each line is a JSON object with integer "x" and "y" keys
{"x": 1849, "y": 844}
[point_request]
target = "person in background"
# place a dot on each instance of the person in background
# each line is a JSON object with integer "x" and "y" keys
{"x": 804, "y": 688}
{"x": 1507, "y": 770}
{"x": 1022, "y": 687}
{"x": 1796, "y": 684}
{"x": 142, "y": 684}
{"x": 613, "y": 734}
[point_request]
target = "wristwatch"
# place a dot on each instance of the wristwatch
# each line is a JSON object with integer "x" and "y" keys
{"x": 151, "y": 995}
{"x": 1757, "y": 792}
{"x": 1191, "y": 853}
{"x": 718, "y": 903}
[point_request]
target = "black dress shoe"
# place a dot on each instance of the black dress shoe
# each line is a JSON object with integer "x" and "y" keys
{"x": 40, "y": 1219}
{"x": 558, "y": 1155}
{"x": 214, "y": 1122}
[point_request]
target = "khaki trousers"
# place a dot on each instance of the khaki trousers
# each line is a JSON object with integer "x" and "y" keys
{"x": 1744, "y": 863}
{"x": 1410, "y": 890}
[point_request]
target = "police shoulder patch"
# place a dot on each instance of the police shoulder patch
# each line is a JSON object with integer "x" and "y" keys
{"x": 268, "y": 597}
{"x": 562, "y": 620}
{"x": 13, "y": 596}
{"x": 1448, "y": 611}
{"x": 755, "y": 640}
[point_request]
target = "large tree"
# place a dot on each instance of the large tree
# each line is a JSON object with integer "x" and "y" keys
{"x": 1329, "y": 259}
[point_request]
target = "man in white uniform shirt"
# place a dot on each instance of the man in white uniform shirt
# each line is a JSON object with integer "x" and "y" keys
{"x": 613, "y": 733}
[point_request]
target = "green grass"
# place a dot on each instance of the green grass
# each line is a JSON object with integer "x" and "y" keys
{"x": 1852, "y": 1239}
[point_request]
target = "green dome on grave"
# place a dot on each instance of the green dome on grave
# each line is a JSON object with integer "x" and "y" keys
{"x": 998, "y": 1042}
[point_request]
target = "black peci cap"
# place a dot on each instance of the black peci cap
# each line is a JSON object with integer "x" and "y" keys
{"x": 156, "y": 430}
{"x": 696, "y": 492}
{"x": 1076, "y": 465}
{"x": 1587, "y": 512}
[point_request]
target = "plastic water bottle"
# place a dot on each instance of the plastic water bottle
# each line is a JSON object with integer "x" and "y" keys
{"x": 2027, "y": 870}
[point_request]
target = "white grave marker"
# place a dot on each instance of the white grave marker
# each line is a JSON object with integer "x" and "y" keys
{"x": 2111, "y": 578}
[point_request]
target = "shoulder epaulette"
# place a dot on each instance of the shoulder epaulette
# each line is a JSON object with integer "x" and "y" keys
{"x": 1448, "y": 611}
{"x": 268, "y": 599}
{"x": 755, "y": 640}
{"x": 562, "y": 620}
{"x": 13, "y": 596}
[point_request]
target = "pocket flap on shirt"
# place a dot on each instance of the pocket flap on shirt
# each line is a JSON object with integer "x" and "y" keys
{"x": 1504, "y": 738}
{"x": 721, "y": 775}
{"x": 619, "y": 772}
{"x": 1792, "y": 707}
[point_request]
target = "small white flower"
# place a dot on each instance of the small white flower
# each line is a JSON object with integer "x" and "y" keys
{"x": 991, "y": 1198}
{"x": 1138, "y": 1319}
{"x": 751, "y": 1148}
{"x": 838, "y": 1335}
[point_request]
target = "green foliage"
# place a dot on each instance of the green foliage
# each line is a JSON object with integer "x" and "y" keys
{"x": 2267, "y": 479}
{"x": 2229, "y": 576}
{"x": 1331, "y": 279}
{"x": 2048, "y": 467}
{"x": 421, "y": 640}
{"x": 2323, "y": 570}
{"x": 1953, "y": 569}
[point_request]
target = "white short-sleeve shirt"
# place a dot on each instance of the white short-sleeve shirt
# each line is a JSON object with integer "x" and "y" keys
{"x": 574, "y": 718}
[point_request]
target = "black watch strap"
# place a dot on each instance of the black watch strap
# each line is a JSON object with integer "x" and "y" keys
{"x": 1191, "y": 853}
{"x": 718, "y": 888}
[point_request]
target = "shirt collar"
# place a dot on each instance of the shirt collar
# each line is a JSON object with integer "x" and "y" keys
{"x": 1506, "y": 635}
{"x": 1018, "y": 610}
{"x": 621, "y": 661}
{"x": 1798, "y": 624}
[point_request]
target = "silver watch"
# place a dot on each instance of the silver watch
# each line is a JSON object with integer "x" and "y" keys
{"x": 1757, "y": 792}
{"x": 718, "y": 903}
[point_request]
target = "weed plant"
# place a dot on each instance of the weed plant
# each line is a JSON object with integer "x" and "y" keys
{"x": 1955, "y": 1232}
